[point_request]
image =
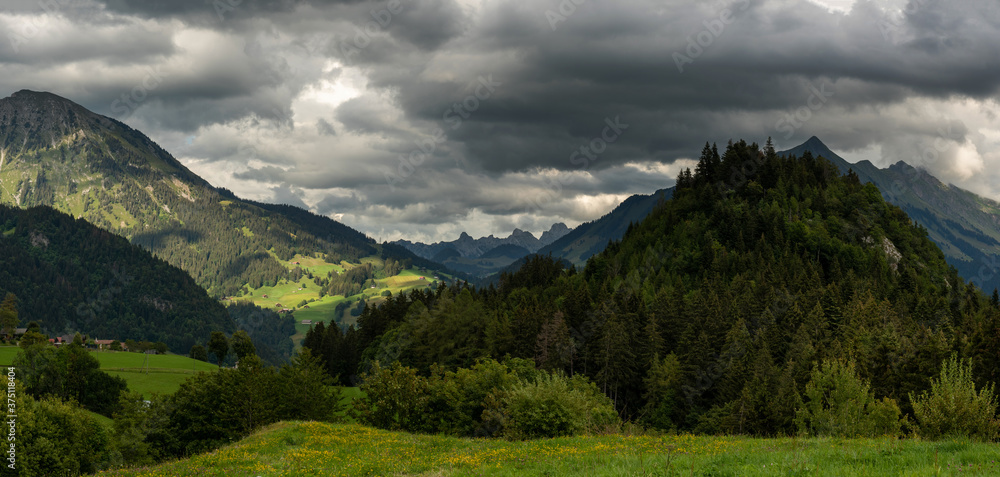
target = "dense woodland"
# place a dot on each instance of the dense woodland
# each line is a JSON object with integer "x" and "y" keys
{"x": 70, "y": 276}
{"x": 723, "y": 312}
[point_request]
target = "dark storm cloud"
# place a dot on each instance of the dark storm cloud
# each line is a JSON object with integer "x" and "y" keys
{"x": 619, "y": 60}
{"x": 513, "y": 90}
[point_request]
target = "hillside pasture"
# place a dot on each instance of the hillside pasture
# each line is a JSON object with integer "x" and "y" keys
{"x": 319, "y": 449}
{"x": 145, "y": 374}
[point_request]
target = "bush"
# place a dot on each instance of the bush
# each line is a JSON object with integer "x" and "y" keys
{"x": 953, "y": 408}
{"x": 394, "y": 398}
{"x": 838, "y": 403}
{"x": 554, "y": 405}
{"x": 488, "y": 399}
{"x": 58, "y": 438}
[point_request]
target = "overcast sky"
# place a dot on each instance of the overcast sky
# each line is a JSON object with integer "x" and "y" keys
{"x": 425, "y": 118}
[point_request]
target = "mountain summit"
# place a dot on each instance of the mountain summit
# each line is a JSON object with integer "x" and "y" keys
{"x": 962, "y": 223}
{"x": 55, "y": 152}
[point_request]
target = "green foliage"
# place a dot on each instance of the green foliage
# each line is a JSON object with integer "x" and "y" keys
{"x": 555, "y": 405}
{"x": 218, "y": 345}
{"x": 58, "y": 438}
{"x": 662, "y": 386}
{"x": 839, "y": 404}
{"x": 488, "y": 399}
{"x": 308, "y": 391}
{"x": 395, "y": 398}
{"x": 32, "y": 338}
{"x": 78, "y": 278}
{"x": 212, "y": 409}
{"x": 242, "y": 345}
{"x": 953, "y": 407}
{"x": 68, "y": 372}
{"x": 8, "y": 315}
{"x": 198, "y": 352}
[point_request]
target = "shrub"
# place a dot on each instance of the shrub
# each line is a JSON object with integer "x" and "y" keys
{"x": 395, "y": 398}
{"x": 58, "y": 438}
{"x": 554, "y": 405}
{"x": 839, "y": 403}
{"x": 953, "y": 407}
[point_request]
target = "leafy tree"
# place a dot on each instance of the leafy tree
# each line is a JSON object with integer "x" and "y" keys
{"x": 8, "y": 315}
{"x": 58, "y": 438}
{"x": 953, "y": 407}
{"x": 662, "y": 383}
{"x": 32, "y": 338}
{"x": 68, "y": 372}
{"x": 218, "y": 345}
{"x": 242, "y": 345}
{"x": 198, "y": 352}
{"x": 309, "y": 390}
{"x": 394, "y": 399}
{"x": 838, "y": 403}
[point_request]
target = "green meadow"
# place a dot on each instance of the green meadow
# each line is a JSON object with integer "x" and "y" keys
{"x": 145, "y": 374}
{"x": 319, "y": 449}
{"x": 290, "y": 294}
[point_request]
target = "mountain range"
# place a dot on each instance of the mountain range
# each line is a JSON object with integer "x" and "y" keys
{"x": 964, "y": 225}
{"x": 486, "y": 254}
{"x": 55, "y": 152}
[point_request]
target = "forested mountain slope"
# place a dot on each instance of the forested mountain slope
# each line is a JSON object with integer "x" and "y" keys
{"x": 965, "y": 225}
{"x": 711, "y": 313}
{"x": 54, "y": 152}
{"x": 70, "y": 276}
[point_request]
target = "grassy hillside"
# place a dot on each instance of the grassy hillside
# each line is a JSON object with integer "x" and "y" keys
{"x": 290, "y": 294}
{"x": 145, "y": 374}
{"x": 316, "y": 449}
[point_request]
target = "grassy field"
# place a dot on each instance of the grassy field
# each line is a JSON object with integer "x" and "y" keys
{"x": 316, "y": 449}
{"x": 145, "y": 374}
{"x": 290, "y": 295}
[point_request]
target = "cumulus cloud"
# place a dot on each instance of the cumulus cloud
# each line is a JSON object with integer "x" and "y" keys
{"x": 426, "y": 118}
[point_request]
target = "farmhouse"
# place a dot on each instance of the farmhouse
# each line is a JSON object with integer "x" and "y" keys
{"x": 103, "y": 344}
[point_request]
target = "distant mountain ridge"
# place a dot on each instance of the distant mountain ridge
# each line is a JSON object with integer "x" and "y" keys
{"x": 484, "y": 255}
{"x": 964, "y": 225}
{"x": 591, "y": 238}
{"x": 468, "y": 247}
